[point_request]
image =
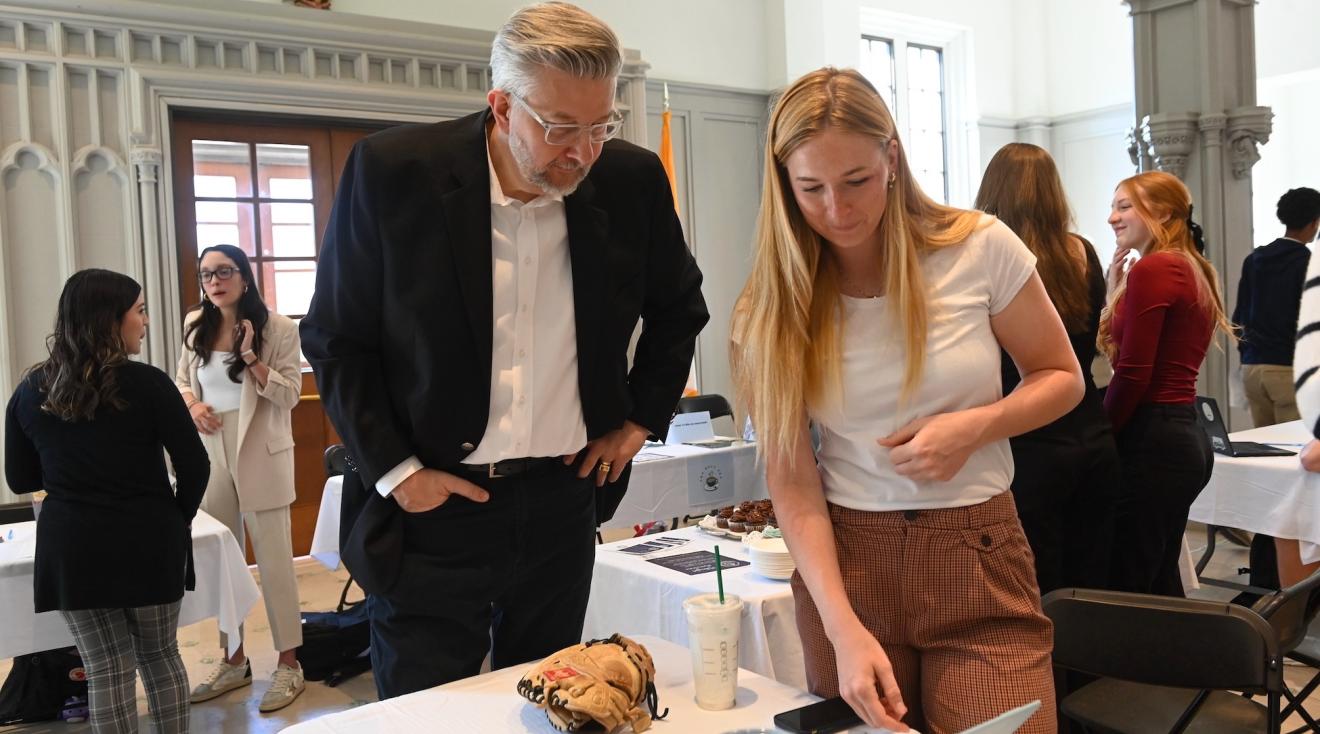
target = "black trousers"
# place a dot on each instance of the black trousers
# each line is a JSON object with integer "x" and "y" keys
{"x": 510, "y": 576}
{"x": 1066, "y": 486}
{"x": 1167, "y": 461}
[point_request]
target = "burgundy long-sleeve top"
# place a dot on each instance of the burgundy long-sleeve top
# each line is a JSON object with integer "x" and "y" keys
{"x": 1162, "y": 330}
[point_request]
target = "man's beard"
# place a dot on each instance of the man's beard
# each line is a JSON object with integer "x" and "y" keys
{"x": 522, "y": 156}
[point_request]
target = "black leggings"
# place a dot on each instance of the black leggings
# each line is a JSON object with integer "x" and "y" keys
{"x": 1166, "y": 463}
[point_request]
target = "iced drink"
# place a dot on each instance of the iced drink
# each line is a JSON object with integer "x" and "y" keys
{"x": 713, "y": 640}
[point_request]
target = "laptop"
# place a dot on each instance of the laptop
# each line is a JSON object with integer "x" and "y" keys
{"x": 1212, "y": 421}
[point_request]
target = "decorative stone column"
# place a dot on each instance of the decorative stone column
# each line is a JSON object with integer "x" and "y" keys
{"x": 1197, "y": 118}
{"x": 1169, "y": 139}
{"x": 146, "y": 167}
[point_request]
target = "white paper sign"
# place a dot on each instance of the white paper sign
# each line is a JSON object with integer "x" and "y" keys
{"x": 695, "y": 426}
{"x": 711, "y": 479}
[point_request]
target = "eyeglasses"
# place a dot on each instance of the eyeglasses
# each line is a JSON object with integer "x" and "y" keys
{"x": 223, "y": 272}
{"x": 560, "y": 134}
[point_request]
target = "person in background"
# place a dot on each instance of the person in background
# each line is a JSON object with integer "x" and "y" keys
{"x": 1156, "y": 330}
{"x": 114, "y": 546}
{"x": 879, "y": 314}
{"x": 1269, "y": 294}
{"x": 240, "y": 374}
{"x": 1066, "y": 476}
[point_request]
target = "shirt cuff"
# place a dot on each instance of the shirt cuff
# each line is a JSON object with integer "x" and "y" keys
{"x": 394, "y": 477}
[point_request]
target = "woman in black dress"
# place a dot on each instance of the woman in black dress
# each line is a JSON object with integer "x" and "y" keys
{"x": 114, "y": 548}
{"x": 1067, "y": 477}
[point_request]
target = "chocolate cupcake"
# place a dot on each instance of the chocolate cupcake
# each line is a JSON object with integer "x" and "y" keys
{"x": 738, "y": 521}
{"x": 764, "y": 506}
{"x": 722, "y": 519}
{"x": 771, "y": 520}
{"x": 755, "y": 521}
{"x": 747, "y": 506}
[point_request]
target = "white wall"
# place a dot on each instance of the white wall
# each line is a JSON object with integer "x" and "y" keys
{"x": 1285, "y": 37}
{"x": 705, "y": 41}
{"x": 1292, "y": 156}
{"x": 1088, "y": 55}
{"x": 1288, "y": 70}
{"x": 820, "y": 32}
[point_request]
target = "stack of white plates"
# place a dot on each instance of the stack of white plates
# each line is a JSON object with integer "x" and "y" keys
{"x": 770, "y": 558}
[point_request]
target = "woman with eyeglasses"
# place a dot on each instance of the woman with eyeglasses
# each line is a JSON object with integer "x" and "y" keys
{"x": 240, "y": 374}
{"x": 113, "y": 548}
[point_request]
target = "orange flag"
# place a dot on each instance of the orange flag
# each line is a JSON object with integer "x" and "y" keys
{"x": 667, "y": 149}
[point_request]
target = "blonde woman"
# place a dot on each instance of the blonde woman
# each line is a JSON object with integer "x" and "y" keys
{"x": 1155, "y": 331}
{"x": 879, "y": 315}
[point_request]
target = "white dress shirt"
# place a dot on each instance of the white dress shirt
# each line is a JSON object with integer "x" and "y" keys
{"x": 535, "y": 403}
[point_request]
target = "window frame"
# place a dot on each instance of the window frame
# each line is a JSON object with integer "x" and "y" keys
{"x": 961, "y": 131}
{"x": 186, "y": 130}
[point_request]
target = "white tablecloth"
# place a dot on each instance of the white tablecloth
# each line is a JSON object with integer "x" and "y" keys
{"x": 490, "y": 703}
{"x": 1265, "y": 494}
{"x": 659, "y": 489}
{"x": 225, "y": 588}
{"x": 629, "y": 593}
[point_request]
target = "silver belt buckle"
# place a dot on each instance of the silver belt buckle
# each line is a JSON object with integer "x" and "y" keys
{"x": 491, "y": 473}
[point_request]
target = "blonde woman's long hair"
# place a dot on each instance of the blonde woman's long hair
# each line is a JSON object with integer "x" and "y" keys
{"x": 1156, "y": 196}
{"x": 785, "y": 344}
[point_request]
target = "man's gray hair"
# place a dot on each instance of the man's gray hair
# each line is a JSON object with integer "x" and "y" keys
{"x": 557, "y": 35}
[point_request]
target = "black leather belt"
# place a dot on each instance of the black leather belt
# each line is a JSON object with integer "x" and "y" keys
{"x": 510, "y": 467}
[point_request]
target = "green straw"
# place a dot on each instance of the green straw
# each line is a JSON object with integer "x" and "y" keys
{"x": 719, "y": 574}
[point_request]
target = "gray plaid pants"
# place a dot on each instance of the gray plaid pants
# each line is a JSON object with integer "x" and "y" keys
{"x": 114, "y": 644}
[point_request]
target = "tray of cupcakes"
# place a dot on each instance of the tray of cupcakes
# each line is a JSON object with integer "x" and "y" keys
{"x": 736, "y": 521}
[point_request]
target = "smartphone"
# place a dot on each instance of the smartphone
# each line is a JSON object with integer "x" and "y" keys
{"x": 822, "y": 717}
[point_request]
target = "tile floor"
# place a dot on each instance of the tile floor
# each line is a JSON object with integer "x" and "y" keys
{"x": 236, "y": 712}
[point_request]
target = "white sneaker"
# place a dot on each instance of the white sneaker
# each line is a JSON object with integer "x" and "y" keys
{"x": 223, "y": 678}
{"x": 285, "y": 685}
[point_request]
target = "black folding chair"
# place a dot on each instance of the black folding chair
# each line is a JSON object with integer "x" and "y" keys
{"x": 1167, "y": 664}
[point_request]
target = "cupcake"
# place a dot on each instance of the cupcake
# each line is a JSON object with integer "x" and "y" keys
{"x": 771, "y": 520}
{"x": 755, "y": 521}
{"x": 764, "y": 506}
{"x": 722, "y": 519}
{"x": 738, "y": 521}
{"x": 747, "y": 506}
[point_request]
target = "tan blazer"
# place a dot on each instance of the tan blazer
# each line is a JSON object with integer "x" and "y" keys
{"x": 265, "y": 425}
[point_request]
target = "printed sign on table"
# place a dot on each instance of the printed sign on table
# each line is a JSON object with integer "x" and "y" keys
{"x": 711, "y": 479}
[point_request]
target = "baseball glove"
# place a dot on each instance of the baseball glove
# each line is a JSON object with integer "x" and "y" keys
{"x": 605, "y": 681}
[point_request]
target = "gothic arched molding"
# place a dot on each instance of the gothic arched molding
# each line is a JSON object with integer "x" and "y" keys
{"x": 46, "y": 160}
{"x": 84, "y": 162}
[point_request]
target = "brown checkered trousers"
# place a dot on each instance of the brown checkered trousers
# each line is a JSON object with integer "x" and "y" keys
{"x": 951, "y": 596}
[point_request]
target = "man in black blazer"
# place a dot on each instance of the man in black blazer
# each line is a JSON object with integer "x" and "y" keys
{"x": 478, "y": 287}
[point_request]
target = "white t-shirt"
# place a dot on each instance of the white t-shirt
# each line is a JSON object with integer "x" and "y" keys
{"x": 220, "y": 392}
{"x": 967, "y": 284}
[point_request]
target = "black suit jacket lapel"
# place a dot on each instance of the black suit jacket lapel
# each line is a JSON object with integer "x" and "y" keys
{"x": 467, "y": 223}
{"x": 588, "y": 250}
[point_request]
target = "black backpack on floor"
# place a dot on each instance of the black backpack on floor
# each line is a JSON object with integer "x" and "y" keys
{"x": 40, "y": 683}
{"x": 336, "y": 645}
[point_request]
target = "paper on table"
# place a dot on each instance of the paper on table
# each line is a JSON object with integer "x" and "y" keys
{"x": 689, "y": 427}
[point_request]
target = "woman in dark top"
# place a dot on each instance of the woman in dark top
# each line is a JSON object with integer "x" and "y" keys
{"x": 1066, "y": 476}
{"x": 113, "y": 548}
{"x": 1155, "y": 331}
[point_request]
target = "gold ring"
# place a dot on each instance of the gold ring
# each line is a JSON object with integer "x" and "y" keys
{"x": 604, "y": 466}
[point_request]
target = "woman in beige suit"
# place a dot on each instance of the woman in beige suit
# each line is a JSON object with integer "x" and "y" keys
{"x": 240, "y": 376}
